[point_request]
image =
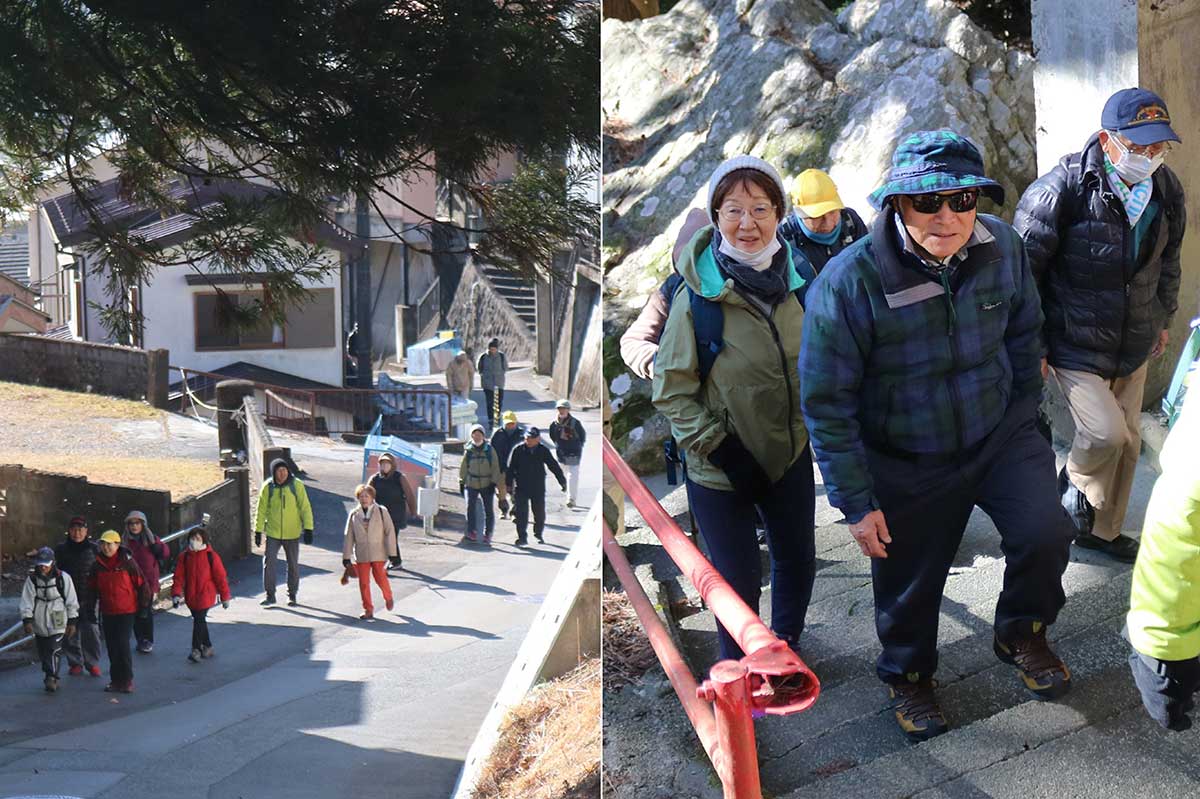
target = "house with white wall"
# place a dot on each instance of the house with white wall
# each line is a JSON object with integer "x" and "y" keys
{"x": 179, "y": 304}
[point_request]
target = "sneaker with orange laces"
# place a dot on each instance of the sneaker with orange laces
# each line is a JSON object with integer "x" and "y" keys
{"x": 1043, "y": 672}
{"x": 916, "y": 708}
{"x": 75, "y": 670}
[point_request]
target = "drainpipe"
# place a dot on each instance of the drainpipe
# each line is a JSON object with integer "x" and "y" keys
{"x": 362, "y": 291}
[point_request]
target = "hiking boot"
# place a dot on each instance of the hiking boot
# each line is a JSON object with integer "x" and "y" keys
{"x": 292, "y": 601}
{"x": 268, "y": 601}
{"x": 539, "y": 538}
{"x": 207, "y": 651}
{"x": 145, "y": 647}
{"x": 1075, "y": 502}
{"x": 570, "y": 503}
{"x": 127, "y": 688}
{"x": 75, "y": 671}
{"x": 195, "y": 656}
{"x": 94, "y": 671}
{"x": 916, "y": 708}
{"x": 390, "y": 604}
{"x": 1122, "y": 548}
{"x": 111, "y": 688}
{"x": 1043, "y": 672}
{"x": 487, "y": 540}
{"x": 50, "y": 684}
{"x": 368, "y": 616}
{"x": 522, "y": 541}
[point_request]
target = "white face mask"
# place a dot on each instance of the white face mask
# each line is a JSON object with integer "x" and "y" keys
{"x": 755, "y": 260}
{"x": 196, "y": 544}
{"x": 1134, "y": 168}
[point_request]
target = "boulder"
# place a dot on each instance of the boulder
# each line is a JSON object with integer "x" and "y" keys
{"x": 788, "y": 81}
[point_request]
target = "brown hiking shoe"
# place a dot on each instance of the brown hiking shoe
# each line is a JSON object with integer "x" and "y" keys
{"x": 916, "y": 708}
{"x": 1042, "y": 671}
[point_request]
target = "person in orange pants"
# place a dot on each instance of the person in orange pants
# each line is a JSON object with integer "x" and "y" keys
{"x": 371, "y": 540}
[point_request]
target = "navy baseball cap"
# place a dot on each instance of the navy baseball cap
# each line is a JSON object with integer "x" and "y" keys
{"x": 1139, "y": 115}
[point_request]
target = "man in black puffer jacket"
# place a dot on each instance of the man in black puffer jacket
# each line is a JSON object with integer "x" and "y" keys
{"x": 77, "y": 556}
{"x": 1103, "y": 231}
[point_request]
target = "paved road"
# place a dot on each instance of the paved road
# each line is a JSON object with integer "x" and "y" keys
{"x": 308, "y": 701}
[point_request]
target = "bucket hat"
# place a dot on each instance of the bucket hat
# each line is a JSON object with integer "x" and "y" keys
{"x": 932, "y": 161}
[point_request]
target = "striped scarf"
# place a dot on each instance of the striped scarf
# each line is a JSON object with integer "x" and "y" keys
{"x": 1135, "y": 197}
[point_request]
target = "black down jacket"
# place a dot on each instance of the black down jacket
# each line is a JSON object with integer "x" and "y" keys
{"x": 1103, "y": 311}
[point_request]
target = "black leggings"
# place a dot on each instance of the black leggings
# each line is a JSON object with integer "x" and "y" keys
{"x": 117, "y": 630}
{"x": 200, "y": 629}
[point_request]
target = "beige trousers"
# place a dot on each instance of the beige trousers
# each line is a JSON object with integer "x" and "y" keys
{"x": 1107, "y": 441}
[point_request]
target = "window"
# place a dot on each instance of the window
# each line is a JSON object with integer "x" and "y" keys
{"x": 213, "y": 333}
{"x": 310, "y": 325}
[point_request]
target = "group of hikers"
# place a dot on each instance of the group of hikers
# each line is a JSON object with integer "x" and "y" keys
{"x": 514, "y": 463}
{"x": 908, "y": 358}
{"x": 86, "y": 586}
{"x": 108, "y": 586}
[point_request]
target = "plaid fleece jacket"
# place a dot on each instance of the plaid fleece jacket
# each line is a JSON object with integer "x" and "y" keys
{"x": 889, "y": 360}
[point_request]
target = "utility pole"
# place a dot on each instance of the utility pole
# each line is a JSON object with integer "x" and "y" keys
{"x": 362, "y": 293}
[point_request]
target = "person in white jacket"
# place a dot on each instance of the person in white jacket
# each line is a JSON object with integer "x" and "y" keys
{"x": 49, "y": 610}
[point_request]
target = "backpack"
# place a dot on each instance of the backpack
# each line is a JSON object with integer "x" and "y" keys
{"x": 58, "y": 583}
{"x": 708, "y": 323}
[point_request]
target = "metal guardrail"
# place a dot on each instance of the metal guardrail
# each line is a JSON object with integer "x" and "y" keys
{"x": 165, "y": 581}
{"x": 770, "y": 680}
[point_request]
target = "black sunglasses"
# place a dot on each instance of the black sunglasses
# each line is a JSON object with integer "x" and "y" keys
{"x": 932, "y": 203}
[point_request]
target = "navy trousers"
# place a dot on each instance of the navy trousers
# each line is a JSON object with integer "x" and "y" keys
{"x": 726, "y": 521}
{"x": 926, "y": 502}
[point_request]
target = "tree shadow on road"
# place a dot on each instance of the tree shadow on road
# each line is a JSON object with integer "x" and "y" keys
{"x": 438, "y": 583}
{"x": 384, "y": 622}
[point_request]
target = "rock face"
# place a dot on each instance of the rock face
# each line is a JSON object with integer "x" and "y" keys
{"x": 788, "y": 81}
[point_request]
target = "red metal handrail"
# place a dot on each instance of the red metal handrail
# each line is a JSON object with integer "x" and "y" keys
{"x": 768, "y": 659}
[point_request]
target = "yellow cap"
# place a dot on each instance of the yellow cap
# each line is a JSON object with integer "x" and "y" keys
{"x": 814, "y": 194}
{"x": 111, "y": 536}
{"x": 509, "y": 417}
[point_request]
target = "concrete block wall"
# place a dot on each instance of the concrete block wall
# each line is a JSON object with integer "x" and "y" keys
{"x": 83, "y": 366}
{"x": 41, "y": 503}
{"x": 227, "y": 504}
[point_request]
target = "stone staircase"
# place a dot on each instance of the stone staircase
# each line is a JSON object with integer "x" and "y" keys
{"x": 516, "y": 292}
{"x": 1097, "y": 741}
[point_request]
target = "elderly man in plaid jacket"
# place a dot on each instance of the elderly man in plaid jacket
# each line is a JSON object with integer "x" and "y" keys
{"x": 920, "y": 380}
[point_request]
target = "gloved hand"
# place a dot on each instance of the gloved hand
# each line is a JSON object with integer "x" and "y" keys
{"x": 745, "y": 474}
{"x": 175, "y": 601}
{"x": 503, "y": 503}
{"x": 225, "y": 604}
{"x": 396, "y": 561}
{"x": 28, "y": 627}
{"x": 258, "y": 539}
{"x": 308, "y": 536}
{"x": 346, "y": 563}
{"x": 563, "y": 486}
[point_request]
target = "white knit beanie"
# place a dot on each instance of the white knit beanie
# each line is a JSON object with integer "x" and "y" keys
{"x": 746, "y": 162}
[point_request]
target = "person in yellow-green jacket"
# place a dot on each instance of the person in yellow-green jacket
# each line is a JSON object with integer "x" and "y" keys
{"x": 1164, "y": 613}
{"x": 726, "y": 377}
{"x": 283, "y": 514}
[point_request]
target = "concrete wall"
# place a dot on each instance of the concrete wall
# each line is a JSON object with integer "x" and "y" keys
{"x": 578, "y": 363}
{"x": 41, "y": 503}
{"x": 228, "y": 506}
{"x": 83, "y": 366}
{"x": 171, "y": 324}
{"x": 1086, "y": 50}
{"x": 478, "y": 313}
{"x": 1167, "y": 32}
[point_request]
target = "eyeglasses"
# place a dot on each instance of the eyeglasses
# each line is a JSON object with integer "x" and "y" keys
{"x": 1162, "y": 148}
{"x": 733, "y": 213}
{"x": 932, "y": 203}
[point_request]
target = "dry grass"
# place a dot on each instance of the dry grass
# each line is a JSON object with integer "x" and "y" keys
{"x": 627, "y": 651}
{"x": 549, "y": 745}
{"x": 179, "y": 476}
{"x": 17, "y": 400}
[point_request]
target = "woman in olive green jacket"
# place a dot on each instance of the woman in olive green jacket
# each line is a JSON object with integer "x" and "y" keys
{"x": 737, "y": 416}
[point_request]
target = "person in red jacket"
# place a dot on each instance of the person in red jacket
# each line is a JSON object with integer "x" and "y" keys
{"x": 150, "y": 553}
{"x": 199, "y": 578}
{"x": 117, "y": 581}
